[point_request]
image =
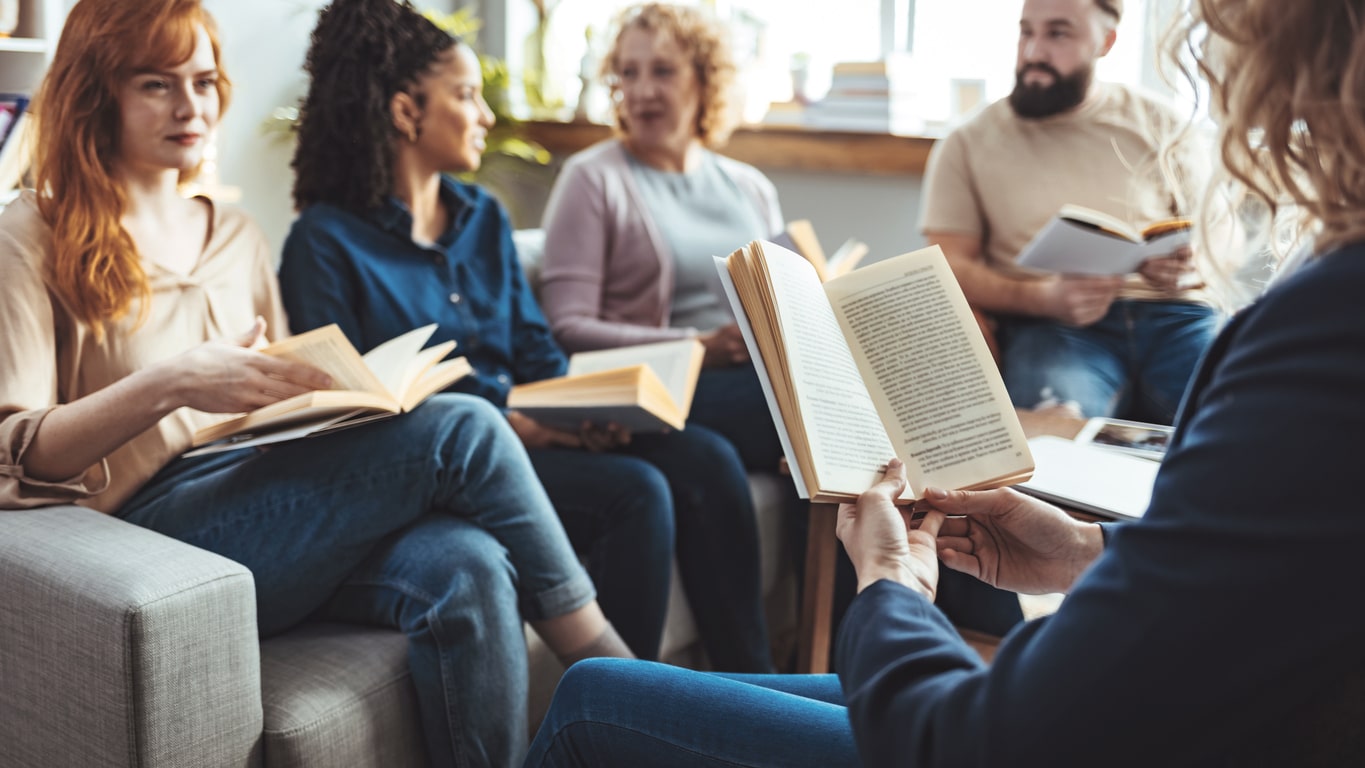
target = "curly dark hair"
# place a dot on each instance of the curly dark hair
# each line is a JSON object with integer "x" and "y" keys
{"x": 362, "y": 53}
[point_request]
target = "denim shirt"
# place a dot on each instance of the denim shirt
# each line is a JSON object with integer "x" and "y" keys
{"x": 367, "y": 275}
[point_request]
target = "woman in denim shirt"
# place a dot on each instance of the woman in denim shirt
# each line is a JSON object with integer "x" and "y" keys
{"x": 385, "y": 242}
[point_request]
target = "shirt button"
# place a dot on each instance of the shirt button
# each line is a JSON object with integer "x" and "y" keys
{"x": 454, "y": 298}
{"x": 438, "y": 260}
{"x": 502, "y": 378}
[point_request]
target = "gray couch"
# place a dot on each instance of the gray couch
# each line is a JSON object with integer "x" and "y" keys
{"x": 122, "y": 647}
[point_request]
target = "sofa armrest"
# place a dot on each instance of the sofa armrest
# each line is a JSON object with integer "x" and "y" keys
{"x": 121, "y": 646}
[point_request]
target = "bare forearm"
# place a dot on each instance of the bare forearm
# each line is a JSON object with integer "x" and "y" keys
{"x": 997, "y": 292}
{"x": 986, "y": 288}
{"x": 79, "y": 434}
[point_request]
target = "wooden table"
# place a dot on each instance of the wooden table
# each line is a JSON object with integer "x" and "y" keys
{"x": 817, "y": 594}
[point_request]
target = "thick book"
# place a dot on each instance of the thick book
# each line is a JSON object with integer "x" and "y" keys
{"x": 1091, "y": 479}
{"x": 644, "y": 388}
{"x": 392, "y": 378}
{"x": 884, "y": 361}
{"x": 800, "y": 237}
{"x": 1083, "y": 241}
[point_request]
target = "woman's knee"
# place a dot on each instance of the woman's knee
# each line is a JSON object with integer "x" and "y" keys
{"x": 463, "y": 565}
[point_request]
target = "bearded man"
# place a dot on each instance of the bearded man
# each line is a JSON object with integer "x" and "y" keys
{"x": 1114, "y": 345}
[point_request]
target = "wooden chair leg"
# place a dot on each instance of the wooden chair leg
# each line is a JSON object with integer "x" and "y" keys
{"x": 817, "y": 598}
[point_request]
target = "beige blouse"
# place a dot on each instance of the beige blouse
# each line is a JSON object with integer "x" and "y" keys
{"x": 48, "y": 357}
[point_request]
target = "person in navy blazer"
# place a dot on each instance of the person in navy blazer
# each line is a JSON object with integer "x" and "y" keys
{"x": 1222, "y": 628}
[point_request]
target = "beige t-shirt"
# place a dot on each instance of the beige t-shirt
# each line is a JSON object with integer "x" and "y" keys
{"x": 1002, "y": 178}
{"x": 47, "y": 357}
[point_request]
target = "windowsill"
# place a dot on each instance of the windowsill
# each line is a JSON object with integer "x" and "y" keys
{"x": 772, "y": 147}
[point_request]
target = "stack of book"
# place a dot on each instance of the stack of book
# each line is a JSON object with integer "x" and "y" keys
{"x": 874, "y": 96}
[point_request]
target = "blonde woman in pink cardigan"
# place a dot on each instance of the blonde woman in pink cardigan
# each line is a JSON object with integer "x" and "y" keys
{"x": 630, "y": 230}
{"x": 633, "y": 222}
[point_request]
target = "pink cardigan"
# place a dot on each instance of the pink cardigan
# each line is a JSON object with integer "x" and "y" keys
{"x": 607, "y": 279}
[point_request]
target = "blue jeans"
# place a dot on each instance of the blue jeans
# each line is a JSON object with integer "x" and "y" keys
{"x": 717, "y": 543}
{"x": 618, "y": 512}
{"x": 614, "y": 712}
{"x": 629, "y": 512}
{"x": 433, "y": 523}
{"x": 1134, "y": 363}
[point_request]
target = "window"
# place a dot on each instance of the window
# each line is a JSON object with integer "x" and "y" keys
{"x": 962, "y": 52}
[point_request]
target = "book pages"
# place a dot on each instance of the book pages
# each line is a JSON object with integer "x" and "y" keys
{"x": 930, "y": 374}
{"x": 398, "y": 362}
{"x": 843, "y": 431}
{"x": 764, "y": 378}
{"x": 676, "y": 363}
{"x": 328, "y": 349}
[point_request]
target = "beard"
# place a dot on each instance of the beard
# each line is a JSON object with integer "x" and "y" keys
{"x": 1038, "y": 101}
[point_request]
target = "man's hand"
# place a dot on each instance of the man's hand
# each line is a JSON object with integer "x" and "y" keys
{"x": 1078, "y": 300}
{"x": 232, "y": 377}
{"x": 1012, "y": 541}
{"x": 882, "y": 542}
{"x": 724, "y": 347}
{"x": 1171, "y": 271}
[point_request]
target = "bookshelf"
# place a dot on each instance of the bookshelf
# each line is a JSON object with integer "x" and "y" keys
{"x": 24, "y": 57}
{"x": 25, "y": 54}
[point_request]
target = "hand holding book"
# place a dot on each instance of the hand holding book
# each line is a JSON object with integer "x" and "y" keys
{"x": 392, "y": 378}
{"x": 1083, "y": 241}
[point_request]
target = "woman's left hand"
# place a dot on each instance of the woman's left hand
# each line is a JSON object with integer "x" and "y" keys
{"x": 597, "y": 438}
{"x": 724, "y": 347}
{"x": 884, "y": 543}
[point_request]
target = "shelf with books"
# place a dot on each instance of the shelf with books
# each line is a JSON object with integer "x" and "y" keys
{"x": 23, "y": 60}
{"x": 773, "y": 147}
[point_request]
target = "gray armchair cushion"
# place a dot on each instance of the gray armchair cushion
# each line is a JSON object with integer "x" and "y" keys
{"x": 120, "y": 647}
{"x": 340, "y": 694}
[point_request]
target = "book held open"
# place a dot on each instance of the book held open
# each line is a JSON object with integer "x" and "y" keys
{"x": 884, "y": 361}
{"x": 1083, "y": 241}
{"x": 644, "y": 388}
{"x": 392, "y": 378}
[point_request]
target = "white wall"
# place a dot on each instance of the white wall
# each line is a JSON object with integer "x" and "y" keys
{"x": 882, "y": 211}
{"x": 264, "y": 42}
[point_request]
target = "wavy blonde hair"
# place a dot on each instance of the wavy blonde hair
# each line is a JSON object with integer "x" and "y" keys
{"x": 1287, "y": 87}
{"x": 96, "y": 268}
{"x": 705, "y": 42}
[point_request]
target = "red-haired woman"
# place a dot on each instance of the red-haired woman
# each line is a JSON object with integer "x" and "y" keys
{"x": 130, "y": 313}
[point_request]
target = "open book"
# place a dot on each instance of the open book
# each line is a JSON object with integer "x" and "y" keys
{"x": 800, "y": 237}
{"x": 1089, "y": 478}
{"x": 884, "y": 361}
{"x": 644, "y": 388}
{"x": 1084, "y": 241}
{"x": 389, "y": 379}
